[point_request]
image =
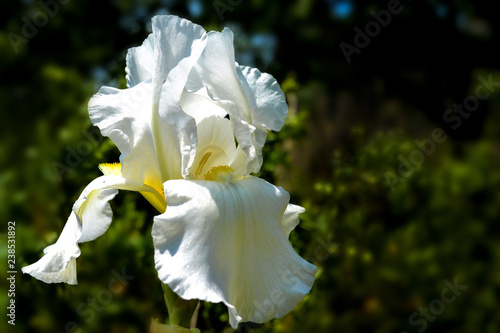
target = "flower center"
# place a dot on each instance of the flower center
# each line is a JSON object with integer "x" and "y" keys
{"x": 221, "y": 173}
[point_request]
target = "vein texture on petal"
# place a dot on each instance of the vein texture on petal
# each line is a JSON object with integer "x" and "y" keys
{"x": 224, "y": 242}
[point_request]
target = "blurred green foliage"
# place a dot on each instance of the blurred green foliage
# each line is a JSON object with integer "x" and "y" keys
{"x": 383, "y": 254}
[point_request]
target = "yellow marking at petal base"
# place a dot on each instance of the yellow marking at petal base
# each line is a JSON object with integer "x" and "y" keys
{"x": 154, "y": 195}
{"x": 162, "y": 193}
{"x": 202, "y": 163}
{"x": 221, "y": 173}
{"x": 111, "y": 169}
{"x": 156, "y": 199}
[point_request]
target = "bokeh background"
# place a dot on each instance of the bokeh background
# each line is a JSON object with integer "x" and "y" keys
{"x": 390, "y": 225}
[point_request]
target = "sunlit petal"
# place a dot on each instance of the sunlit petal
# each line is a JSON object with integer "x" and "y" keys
{"x": 59, "y": 261}
{"x": 126, "y": 116}
{"x": 291, "y": 218}
{"x": 216, "y": 146}
{"x": 178, "y": 45}
{"x": 224, "y": 242}
{"x": 140, "y": 62}
{"x": 90, "y": 218}
{"x": 154, "y": 195}
{"x": 147, "y": 122}
{"x": 200, "y": 105}
{"x": 265, "y": 99}
{"x": 259, "y": 103}
{"x": 92, "y": 207}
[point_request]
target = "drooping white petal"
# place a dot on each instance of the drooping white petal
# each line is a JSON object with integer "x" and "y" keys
{"x": 126, "y": 116}
{"x": 92, "y": 207}
{"x": 224, "y": 242}
{"x": 291, "y": 218}
{"x": 259, "y": 103}
{"x": 59, "y": 261}
{"x": 90, "y": 218}
{"x": 93, "y": 210}
{"x": 140, "y": 62}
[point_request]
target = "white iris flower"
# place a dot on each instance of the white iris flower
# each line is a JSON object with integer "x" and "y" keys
{"x": 222, "y": 235}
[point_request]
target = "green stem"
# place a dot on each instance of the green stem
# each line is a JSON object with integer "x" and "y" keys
{"x": 180, "y": 311}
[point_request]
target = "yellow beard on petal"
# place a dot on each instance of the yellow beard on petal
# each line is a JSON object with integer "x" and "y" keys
{"x": 111, "y": 169}
{"x": 155, "y": 199}
{"x": 221, "y": 173}
{"x": 162, "y": 193}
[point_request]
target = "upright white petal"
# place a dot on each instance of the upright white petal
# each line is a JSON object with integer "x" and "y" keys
{"x": 147, "y": 121}
{"x": 126, "y": 116}
{"x": 259, "y": 103}
{"x": 217, "y": 133}
{"x": 176, "y": 40}
{"x": 90, "y": 218}
{"x": 140, "y": 62}
{"x": 178, "y": 43}
{"x": 224, "y": 242}
{"x": 199, "y": 105}
{"x": 266, "y": 100}
{"x": 216, "y": 146}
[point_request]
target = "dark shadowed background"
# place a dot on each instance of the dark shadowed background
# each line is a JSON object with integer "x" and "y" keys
{"x": 391, "y": 144}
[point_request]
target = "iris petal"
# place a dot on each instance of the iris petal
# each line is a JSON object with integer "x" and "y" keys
{"x": 140, "y": 62}
{"x": 216, "y": 146}
{"x": 224, "y": 242}
{"x": 90, "y": 218}
{"x": 146, "y": 121}
{"x": 59, "y": 261}
{"x": 126, "y": 117}
{"x": 291, "y": 218}
{"x": 178, "y": 45}
{"x": 258, "y": 102}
